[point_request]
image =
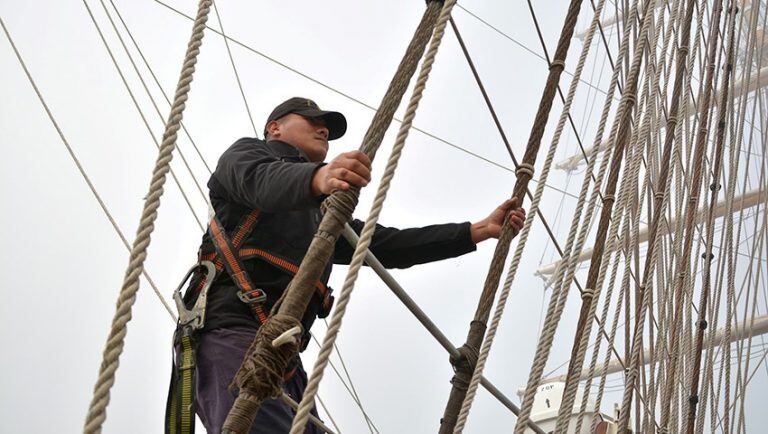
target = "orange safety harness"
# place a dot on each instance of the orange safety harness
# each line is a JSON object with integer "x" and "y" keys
{"x": 229, "y": 254}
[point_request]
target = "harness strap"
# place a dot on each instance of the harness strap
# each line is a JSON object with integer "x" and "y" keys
{"x": 282, "y": 264}
{"x": 243, "y": 229}
{"x": 180, "y": 408}
{"x": 227, "y": 252}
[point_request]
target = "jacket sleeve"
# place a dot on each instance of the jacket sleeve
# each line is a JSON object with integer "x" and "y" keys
{"x": 402, "y": 248}
{"x": 254, "y": 177}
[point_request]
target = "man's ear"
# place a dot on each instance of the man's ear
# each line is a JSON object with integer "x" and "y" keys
{"x": 273, "y": 128}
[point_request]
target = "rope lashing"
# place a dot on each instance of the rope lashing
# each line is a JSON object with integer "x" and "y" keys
{"x": 115, "y": 341}
{"x": 524, "y": 169}
{"x": 338, "y": 210}
{"x": 366, "y": 235}
{"x": 262, "y": 370}
{"x": 558, "y": 64}
{"x": 587, "y": 293}
{"x": 465, "y": 362}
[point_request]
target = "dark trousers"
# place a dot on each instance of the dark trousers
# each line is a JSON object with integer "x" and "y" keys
{"x": 219, "y": 354}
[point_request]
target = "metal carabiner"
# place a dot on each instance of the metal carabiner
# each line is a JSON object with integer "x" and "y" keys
{"x": 195, "y": 317}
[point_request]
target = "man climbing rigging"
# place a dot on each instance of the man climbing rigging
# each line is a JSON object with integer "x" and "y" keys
{"x": 266, "y": 196}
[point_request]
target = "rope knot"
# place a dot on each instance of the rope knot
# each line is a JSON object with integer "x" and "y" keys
{"x": 466, "y": 360}
{"x": 672, "y": 120}
{"x": 261, "y": 373}
{"x": 557, "y": 63}
{"x": 341, "y": 203}
{"x": 524, "y": 169}
{"x": 587, "y": 293}
{"x": 464, "y": 365}
{"x": 630, "y": 97}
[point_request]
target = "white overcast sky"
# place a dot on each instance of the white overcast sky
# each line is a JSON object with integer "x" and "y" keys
{"x": 62, "y": 264}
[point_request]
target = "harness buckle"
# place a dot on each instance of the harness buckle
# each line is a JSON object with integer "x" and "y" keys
{"x": 195, "y": 318}
{"x": 253, "y": 296}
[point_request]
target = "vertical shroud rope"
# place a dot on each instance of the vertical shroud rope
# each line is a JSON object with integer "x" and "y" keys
{"x": 622, "y": 126}
{"x": 366, "y": 234}
{"x": 598, "y": 266}
{"x": 683, "y": 261}
{"x": 260, "y": 375}
{"x": 629, "y": 237}
{"x": 660, "y": 188}
{"x": 701, "y": 324}
{"x": 469, "y": 351}
{"x": 115, "y": 341}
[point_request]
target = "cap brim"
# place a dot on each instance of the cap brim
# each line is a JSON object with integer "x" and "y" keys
{"x": 335, "y": 121}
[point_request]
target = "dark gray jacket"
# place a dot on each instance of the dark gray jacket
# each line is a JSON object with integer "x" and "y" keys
{"x": 275, "y": 178}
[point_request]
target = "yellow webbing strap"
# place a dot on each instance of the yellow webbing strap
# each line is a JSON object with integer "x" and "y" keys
{"x": 180, "y": 411}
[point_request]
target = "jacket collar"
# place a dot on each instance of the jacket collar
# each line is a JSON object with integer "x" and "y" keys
{"x": 286, "y": 149}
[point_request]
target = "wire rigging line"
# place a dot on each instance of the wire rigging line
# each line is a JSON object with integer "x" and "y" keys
{"x": 157, "y": 82}
{"x": 523, "y": 46}
{"x": 80, "y": 168}
{"x": 234, "y": 68}
{"x": 141, "y": 112}
{"x": 349, "y": 387}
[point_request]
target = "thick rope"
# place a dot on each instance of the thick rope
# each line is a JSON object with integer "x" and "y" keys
{"x": 524, "y": 174}
{"x": 307, "y": 402}
{"x": 535, "y": 203}
{"x": 465, "y": 364}
{"x": 682, "y": 276}
{"x": 557, "y": 301}
{"x": 731, "y": 275}
{"x": 598, "y": 264}
{"x": 632, "y": 240}
{"x": 659, "y": 198}
{"x": 683, "y": 136}
{"x": 114, "y": 347}
{"x": 545, "y": 171}
{"x": 714, "y": 190}
{"x": 255, "y": 379}
{"x": 725, "y": 259}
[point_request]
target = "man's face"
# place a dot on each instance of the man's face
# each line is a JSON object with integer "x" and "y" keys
{"x": 308, "y": 134}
